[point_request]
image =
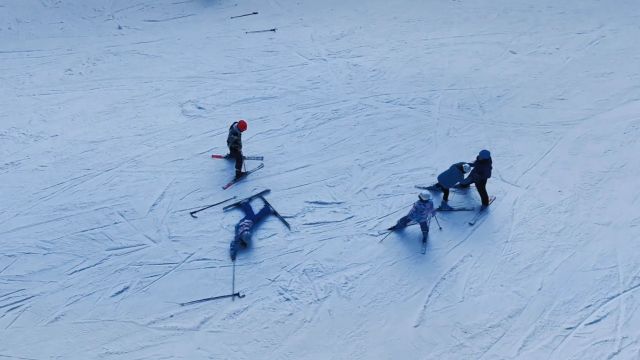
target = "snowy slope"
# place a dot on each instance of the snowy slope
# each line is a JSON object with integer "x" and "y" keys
{"x": 109, "y": 111}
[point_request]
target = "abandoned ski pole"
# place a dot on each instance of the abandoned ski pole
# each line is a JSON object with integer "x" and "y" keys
{"x": 243, "y": 15}
{"x": 260, "y": 31}
{"x": 233, "y": 281}
{"x": 192, "y": 213}
{"x": 232, "y": 295}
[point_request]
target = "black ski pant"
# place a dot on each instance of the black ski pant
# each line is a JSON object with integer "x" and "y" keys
{"x": 481, "y": 186}
{"x": 445, "y": 192}
{"x": 237, "y": 156}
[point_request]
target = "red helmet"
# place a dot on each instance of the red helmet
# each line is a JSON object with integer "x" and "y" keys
{"x": 242, "y": 125}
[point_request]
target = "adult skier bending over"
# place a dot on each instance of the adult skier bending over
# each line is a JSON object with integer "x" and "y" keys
{"x": 479, "y": 175}
{"x": 234, "y": 142}
{"x": 421, "y": 212}
{"x": 449, "y": 179}
{"x": 245, "y": 226}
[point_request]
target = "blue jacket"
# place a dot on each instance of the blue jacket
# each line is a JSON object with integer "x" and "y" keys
{"x": 452, "y": 176}
{"x": 481, "y": 170}
{"x": 422, "y": 211}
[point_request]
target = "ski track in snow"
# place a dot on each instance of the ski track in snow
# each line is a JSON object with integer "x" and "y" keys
{"x": 109, "y": 116}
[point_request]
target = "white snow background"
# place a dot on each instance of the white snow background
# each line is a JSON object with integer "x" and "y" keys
{"x": 109, "y": 111}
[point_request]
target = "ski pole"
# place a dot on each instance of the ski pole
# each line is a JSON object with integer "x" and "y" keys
{"x": 192, "y": 213}
{"x": 233, "y": 281}
{"x": 437, "y": 222}
{"x": 389, "y": 233}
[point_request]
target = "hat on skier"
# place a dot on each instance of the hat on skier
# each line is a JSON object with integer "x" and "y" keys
{"x": 484, "y": 155}
{"x": 466, "y": 168}
{"x": 425, "y": 196}
{"x": 242, "y": 125}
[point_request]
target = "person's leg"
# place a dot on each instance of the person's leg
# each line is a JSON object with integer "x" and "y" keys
{"x": 264, "y": 212}
{"x": 402, "y": 223}
{"x": 445, "y": 192}
{"x": 481, "y": 186}
{"x": 237, "y": 155}
{"x": 425, "y": 230}
{"x": 248, "y": 211}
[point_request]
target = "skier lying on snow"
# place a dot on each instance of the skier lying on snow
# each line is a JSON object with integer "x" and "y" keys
{"x": 449, "y": 179}
{"x": 479, "y": 175}
{"x": 234, "y": 142}
{"x": 421, "y": 212}
{"x": 244, "y": 227}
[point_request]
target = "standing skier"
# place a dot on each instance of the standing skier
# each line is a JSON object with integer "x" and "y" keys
{"x": 479, "y": 175}
{"x": 449, "y": 179}
{"x": 245, "y": 226}
{"x": 421, "y": 212}
{"x": 234, "y": 142}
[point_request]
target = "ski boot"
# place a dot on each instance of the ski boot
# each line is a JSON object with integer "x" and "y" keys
{"x": 444, "y": 206}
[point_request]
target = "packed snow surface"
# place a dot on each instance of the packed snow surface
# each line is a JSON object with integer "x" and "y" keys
{"x": 110, "y": 110}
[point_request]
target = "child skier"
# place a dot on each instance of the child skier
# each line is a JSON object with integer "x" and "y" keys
{"x": 245, "y": 226}
{"x": 449, "y": 179}
{"x": 421, "y": 212}
{"x": 479, "y": 175}
{"x": 234, "y": 142}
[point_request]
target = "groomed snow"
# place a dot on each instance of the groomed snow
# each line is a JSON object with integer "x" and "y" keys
{"x": 109, "y": 111}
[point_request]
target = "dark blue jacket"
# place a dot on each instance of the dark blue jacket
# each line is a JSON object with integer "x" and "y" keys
{"x": 481, "y": 170}
{"x": 452, "y": 176}
{"x": 234, "y": 140}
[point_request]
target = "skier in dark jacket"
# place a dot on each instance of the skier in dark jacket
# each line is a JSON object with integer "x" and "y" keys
{"x": 234, "y": 142}
{"x": 449, "y": 179}
{"x": 245, "y": 226}
{"x": 421, "y": 212}
{"x": 479, "y": 175}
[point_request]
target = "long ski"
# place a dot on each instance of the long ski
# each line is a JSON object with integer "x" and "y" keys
{"x": 261, "y": 193}
{"x": 230, "y": 183}
{"x": 228, "y": 157}
{"x": 193, "y": 213}
{"x": 480, "y": 212}
{"x": 234, "y": 295}
{"x": 276, "y": 213}
{"x": 456, "y": 209}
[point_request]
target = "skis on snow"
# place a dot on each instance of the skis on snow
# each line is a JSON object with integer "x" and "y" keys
{"x": 260, "y": 194}
{"x": 228, "y": 157}
{"x": 456, "y": 209}
{"x": 480, "y": 212}
{"x": 423, "y": 244}
{"x": 235, "y": 180}
{"x": 273, "y": 210}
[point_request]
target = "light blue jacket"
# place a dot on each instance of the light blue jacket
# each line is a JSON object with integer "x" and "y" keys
{"x": 422, "y": 211}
